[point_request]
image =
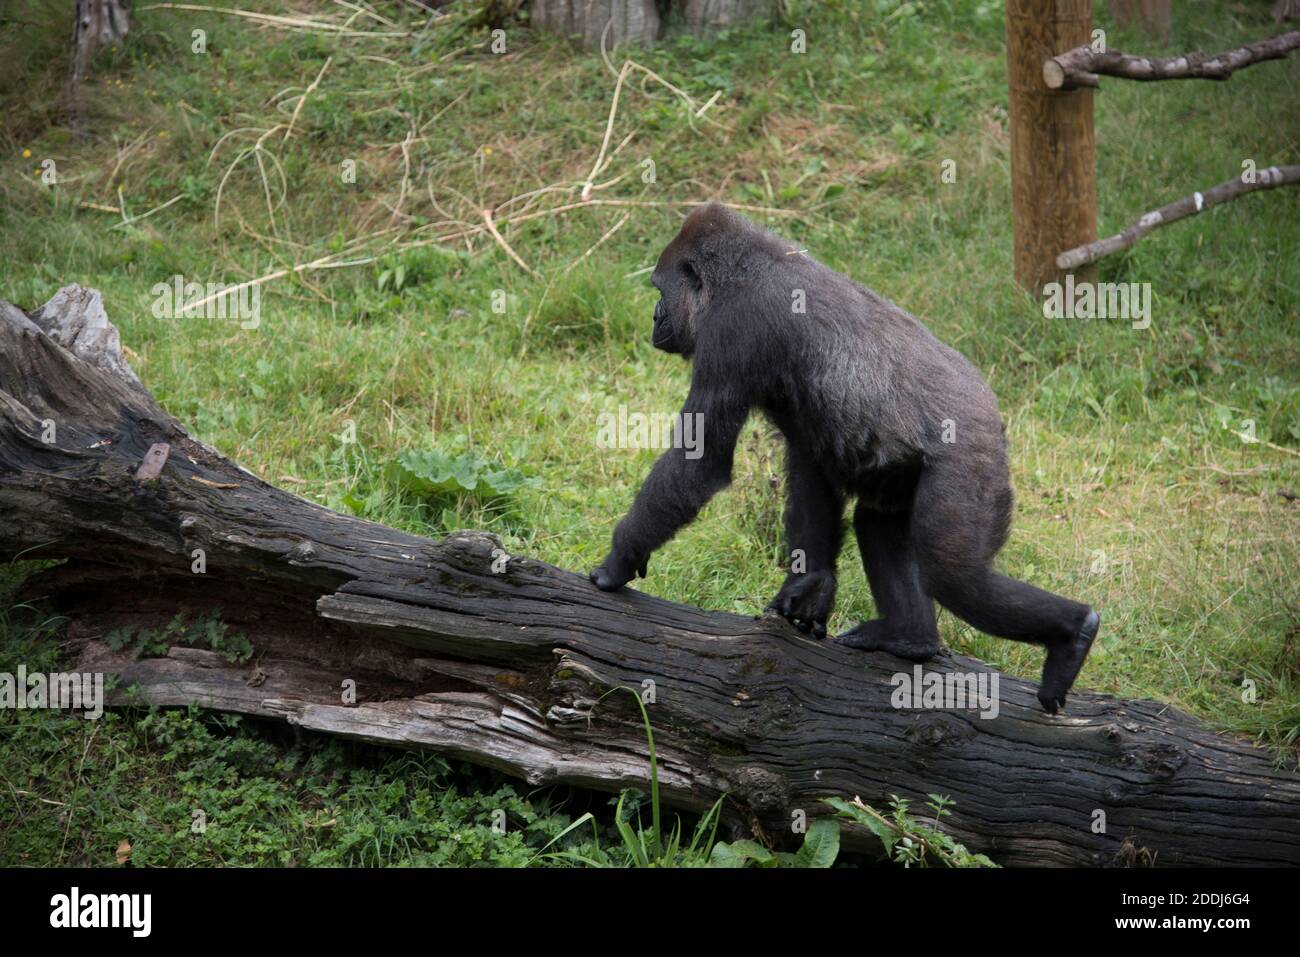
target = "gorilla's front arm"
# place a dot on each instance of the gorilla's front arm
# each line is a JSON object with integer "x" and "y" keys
{"x": 814, "y": 516}
{"x": 677, "y": 487}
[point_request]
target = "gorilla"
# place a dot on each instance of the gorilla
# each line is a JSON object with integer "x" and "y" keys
{"x": 872, "y": 406}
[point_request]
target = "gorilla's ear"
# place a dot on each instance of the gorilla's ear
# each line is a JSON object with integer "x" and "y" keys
{"x": 692, "y": 275}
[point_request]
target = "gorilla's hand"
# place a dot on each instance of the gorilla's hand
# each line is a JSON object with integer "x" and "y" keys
{"x": 806, "y": 600}
{"x": 617, "y": 570}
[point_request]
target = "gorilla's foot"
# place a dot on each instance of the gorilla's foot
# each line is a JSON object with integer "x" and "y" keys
{"x": 1064, "y": 660}
{"x": 876, "y": 635}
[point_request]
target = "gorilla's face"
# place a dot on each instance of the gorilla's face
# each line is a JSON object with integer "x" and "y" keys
{"x": 680, "y": 298}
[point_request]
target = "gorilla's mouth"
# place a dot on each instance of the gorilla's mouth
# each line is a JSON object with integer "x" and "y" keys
{"x": 662, "y": 337}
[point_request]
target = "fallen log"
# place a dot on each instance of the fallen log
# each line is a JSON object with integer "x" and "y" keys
{"x": 508, "y": 661}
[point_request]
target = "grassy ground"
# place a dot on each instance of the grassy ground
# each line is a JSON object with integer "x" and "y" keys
{"x": 1135, "y": 490}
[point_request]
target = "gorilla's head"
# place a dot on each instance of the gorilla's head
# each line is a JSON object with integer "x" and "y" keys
{"x": 682, "y": 277}
{"x": 711, "y": 261}
{"x": 681, "y": 294}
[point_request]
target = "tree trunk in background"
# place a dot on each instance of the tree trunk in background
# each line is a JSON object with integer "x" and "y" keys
{"x": 637, "y": 21}
{"x": 99, "y": 23}
{"x": 1153, "y": 15}
{"x": 506, "y": 661}
{"x": 705, "y": 14}
{"x": 1053, "y": 174}
{"x": 629, "y": 21}
{"x": 1285, "y": 10}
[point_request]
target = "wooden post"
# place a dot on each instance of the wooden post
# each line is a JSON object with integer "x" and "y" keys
{"x": 1053, "y": 174}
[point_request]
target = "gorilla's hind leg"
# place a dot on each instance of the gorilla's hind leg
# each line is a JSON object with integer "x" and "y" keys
{"x": 906, "y": 626}
{"x": 959, "y": 521}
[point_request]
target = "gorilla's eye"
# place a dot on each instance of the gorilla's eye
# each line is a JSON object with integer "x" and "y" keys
{"x": 691, "y": 275}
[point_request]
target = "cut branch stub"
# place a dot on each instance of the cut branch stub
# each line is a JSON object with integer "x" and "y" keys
{"x": 384, "y": 636}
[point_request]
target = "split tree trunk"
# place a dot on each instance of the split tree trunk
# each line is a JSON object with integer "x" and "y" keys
{"x": 508, "y": 663}
{"x": 712, "y": 14}
{"x": 98, "y": 23}
{"x": 637, "y": 21}
{"x": 616, "y": 21}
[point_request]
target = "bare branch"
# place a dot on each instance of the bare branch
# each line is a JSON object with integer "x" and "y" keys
{"x": 1081, "y": 66}
{"x": 1269, "y": 178}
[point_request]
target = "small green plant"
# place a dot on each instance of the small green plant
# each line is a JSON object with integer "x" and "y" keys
{"x": 435, "y": 474}
{"x": 820, "y": 848}
{"x": 207, "y": 631}
{"x": 398, "y": 271}
{"x": 908, "y": 841}
{"x": 642, "y": 847}
{"x": 649, "y": 847}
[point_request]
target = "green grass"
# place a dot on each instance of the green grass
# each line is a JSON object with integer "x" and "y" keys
{"x": 1134, "y": 491}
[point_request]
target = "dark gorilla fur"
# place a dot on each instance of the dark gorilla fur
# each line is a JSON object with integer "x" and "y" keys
{"x": 865, "y": 396}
